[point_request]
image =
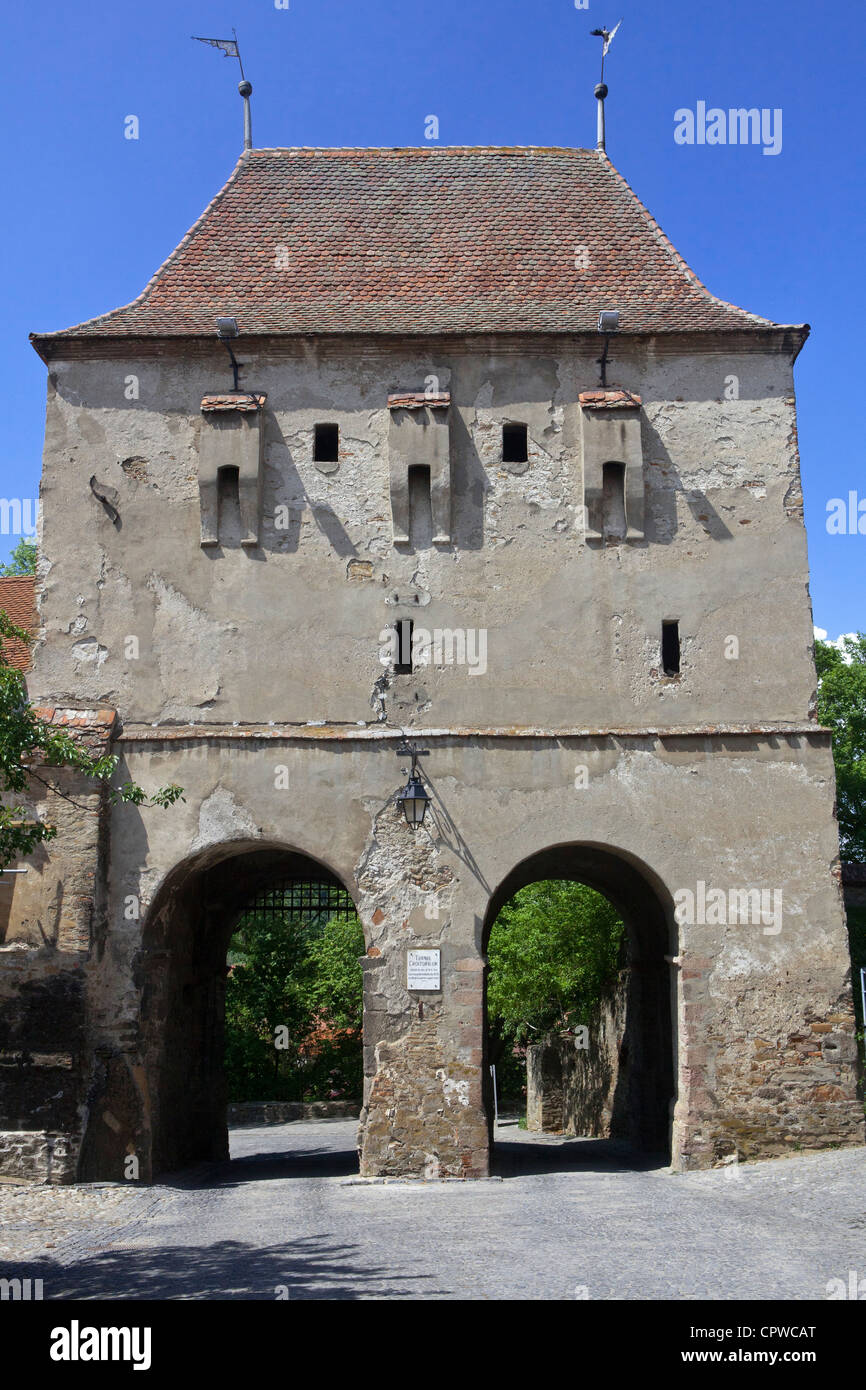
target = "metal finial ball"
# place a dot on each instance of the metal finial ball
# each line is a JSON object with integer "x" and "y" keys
{"x": 245, "y": 88}
{"x": 601, "y": 90}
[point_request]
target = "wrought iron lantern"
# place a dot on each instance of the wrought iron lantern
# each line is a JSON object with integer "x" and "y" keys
{"x": 414, "y": 798}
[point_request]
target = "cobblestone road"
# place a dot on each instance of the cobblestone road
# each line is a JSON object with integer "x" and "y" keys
{"x": 568, "y": 1219}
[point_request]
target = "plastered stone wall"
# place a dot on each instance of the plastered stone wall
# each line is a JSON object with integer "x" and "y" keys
{"x": 746, "y": 1001}
{"x": 253, "y": 677}
{"x": 572, "y": 628}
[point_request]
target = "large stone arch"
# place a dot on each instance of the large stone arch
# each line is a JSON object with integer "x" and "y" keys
{"x": 165, "y": 1098}
{"x": 646, "y": 1079}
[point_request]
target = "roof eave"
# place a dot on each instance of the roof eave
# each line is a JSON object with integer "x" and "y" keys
{"x": 786, "y": 338}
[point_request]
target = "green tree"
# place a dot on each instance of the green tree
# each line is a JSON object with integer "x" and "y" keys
{"x": 267, "y": 990}
{"x": 21, "y": 561}
{"x": 842, "y": 708}
{"x": 336, "y": 983}
{"x": 553, "y": 949}
{"x": 27, "y": 742}
{"x": 302, "y": 975}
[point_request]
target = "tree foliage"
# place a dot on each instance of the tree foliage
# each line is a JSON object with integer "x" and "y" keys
{"x": 553, "y": 949}
{"x": 842, "y": 708}
{"x": 21, "y": 561}
{"x": 302, "y": 976}
{"x": 26, "y": 743}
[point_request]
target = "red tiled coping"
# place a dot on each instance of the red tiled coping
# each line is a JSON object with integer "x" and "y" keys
{"x": 76, "y": 718}
{"x": 609, "y": 400}
{"x": 241, "y": 400}
{"x": 414, "y": 400}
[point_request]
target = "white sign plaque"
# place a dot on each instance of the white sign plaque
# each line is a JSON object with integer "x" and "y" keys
{"x": 422, "y": 969}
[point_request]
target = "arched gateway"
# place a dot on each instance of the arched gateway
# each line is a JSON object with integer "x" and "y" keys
{"x": 165, "y": 1101}
{"x": 638, "y": 1079}
{"x": 238, "y": 592}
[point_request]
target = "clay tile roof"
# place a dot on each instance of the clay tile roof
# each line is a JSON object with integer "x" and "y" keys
{"x": 421, "y": 240}
{"x": 18, "y": 602}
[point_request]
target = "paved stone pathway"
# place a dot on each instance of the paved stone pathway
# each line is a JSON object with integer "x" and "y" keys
{"x": 570, "y": 1219}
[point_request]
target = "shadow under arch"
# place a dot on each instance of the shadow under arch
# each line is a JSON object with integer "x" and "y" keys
{"x": 645, "y": 1086}
{"x": 180, "y": 971}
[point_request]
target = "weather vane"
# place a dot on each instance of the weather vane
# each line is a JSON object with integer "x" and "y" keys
{"x": 601, "y": 89}
{"x": 608, "y": 36}
{"x": 231, "y": 49}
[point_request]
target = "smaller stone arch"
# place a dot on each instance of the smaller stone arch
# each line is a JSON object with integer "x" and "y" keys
{"x": 645, "y": 1085}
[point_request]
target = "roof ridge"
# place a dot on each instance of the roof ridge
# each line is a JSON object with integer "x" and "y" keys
{"x": 419, "y": 149}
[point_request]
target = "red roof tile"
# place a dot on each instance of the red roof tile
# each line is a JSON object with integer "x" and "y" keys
{"x": 615, "y": 399}
{"x": 421, "y": 240}
{"x": 233, "y": 400}
{"x": 18, "y": 602}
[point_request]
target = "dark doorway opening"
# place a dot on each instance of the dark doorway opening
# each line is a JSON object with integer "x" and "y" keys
{"x": 218, "y": 923}
{"x": 619, "y": 1095}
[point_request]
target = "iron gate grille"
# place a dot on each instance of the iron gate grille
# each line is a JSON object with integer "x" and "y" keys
{"x": 303, "y": 898}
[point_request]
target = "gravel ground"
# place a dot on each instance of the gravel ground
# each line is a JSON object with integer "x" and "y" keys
{"x": 568, "y": 1219}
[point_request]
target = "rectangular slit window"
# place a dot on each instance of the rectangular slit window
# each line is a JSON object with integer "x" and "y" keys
{"x": 420, "y": 507}
{"x": 326, "y": 444}
{"x": 228, "y": 501}
{"x": 514, "y": 444}
{"x": 613, "y": 501}
{"x": 671, "y": 648}
{"x": 403, "y": 664}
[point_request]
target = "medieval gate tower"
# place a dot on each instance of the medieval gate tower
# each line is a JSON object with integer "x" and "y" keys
{"x": 588, "y": 539}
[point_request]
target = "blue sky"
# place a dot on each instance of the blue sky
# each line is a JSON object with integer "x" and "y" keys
{"x": 90, "y": 215}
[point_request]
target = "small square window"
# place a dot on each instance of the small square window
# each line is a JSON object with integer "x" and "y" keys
{"x": 514, "y": 444}
{"x": 326, "y": 444}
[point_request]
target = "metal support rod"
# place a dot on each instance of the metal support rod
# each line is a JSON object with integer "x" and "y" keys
{"x": 235, "y": 364}
{"x": 601, "y": 93}
{"x": 603, "y": 361}
{"x": 245, "y": 88}
{"x": 495, "y": 1102}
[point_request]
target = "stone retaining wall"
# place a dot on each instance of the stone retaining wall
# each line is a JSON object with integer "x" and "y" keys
{"x": 279, "y": 1112}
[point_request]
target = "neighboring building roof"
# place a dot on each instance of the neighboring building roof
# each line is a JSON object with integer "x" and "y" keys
{"x": 421, "y": 241}
{"x": 18, "y": 602}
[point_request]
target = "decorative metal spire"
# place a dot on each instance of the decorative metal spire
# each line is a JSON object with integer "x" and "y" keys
{"x": 231, "y": 50}
{"x": 601, "y": 88}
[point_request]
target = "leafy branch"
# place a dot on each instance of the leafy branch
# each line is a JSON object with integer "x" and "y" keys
{"x": 27, "y": 742}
